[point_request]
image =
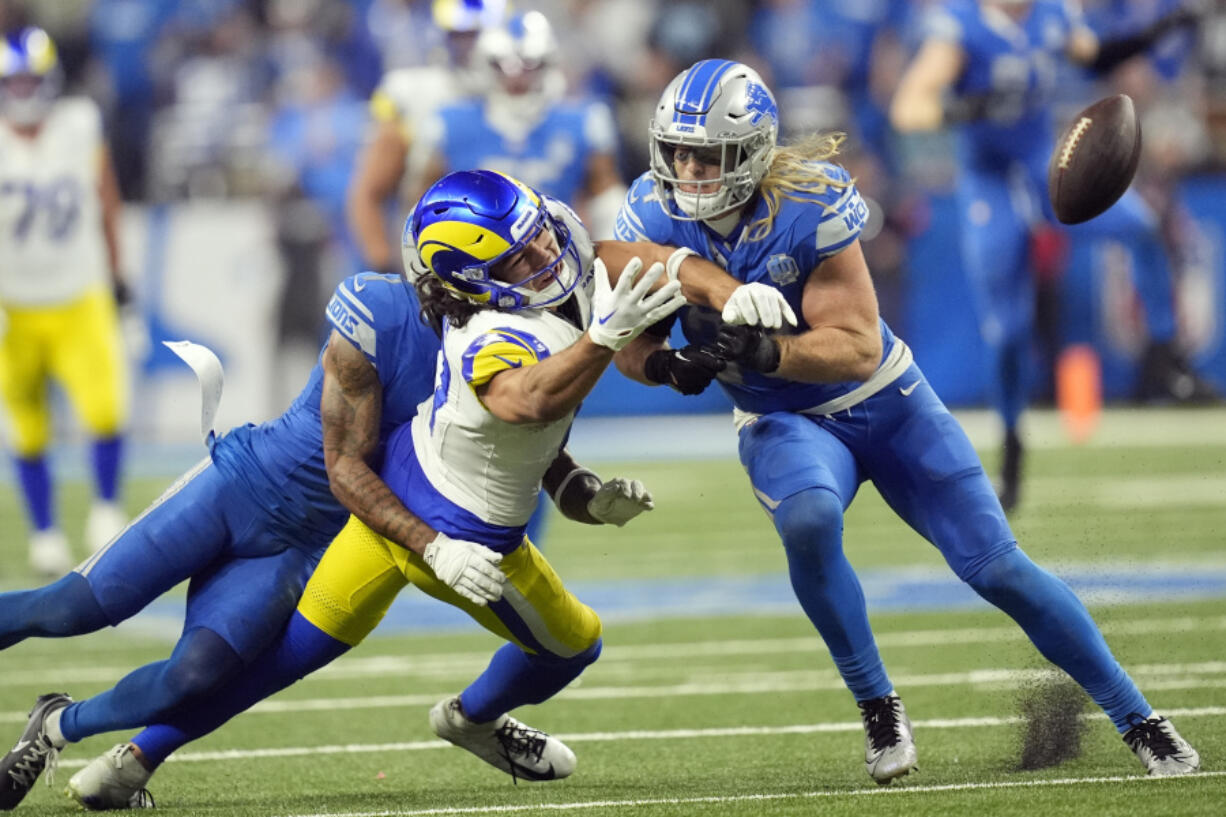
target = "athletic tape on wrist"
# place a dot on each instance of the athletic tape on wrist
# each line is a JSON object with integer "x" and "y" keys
{"x": 557, "y": 495}
{"x": 673, "y": 265}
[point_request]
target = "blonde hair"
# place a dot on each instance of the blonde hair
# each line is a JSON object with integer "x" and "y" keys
{"x": 792, "y": 174}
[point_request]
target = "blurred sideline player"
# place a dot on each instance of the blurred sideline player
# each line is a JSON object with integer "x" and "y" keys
{"x": 391, "y": 164}
{"x": 989, "y": 68}
{"x": 838, "y": 400}
{"x": 512, "y": 274}
{"x": 522, "y": 126}
{"x": 60, "y": 281}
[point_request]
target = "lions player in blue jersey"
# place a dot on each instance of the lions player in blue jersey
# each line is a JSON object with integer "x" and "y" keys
{"x": 511, "y": 275}
{"x": 839, "y": 400}
{"x": 992, "y": 67}
{"x": 522, "y": 126}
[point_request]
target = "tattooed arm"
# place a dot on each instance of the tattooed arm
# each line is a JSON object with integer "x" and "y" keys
{"x": 351, "y": 410}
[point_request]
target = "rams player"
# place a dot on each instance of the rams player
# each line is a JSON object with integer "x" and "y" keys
{"x": 530, "y": 324}
{"x": 59, "y": 283}
{"x": 520, "y": 125}
{"x": 838, "y": 400}
{"x": 992, "y": 66}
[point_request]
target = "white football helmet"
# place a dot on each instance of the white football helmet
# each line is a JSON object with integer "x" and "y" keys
{"x": 30, "y": 76}
{"x": 723, "y": 112}
{"x": 521, "y": 64}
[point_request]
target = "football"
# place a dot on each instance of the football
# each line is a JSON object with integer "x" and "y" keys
{"x": 1094, "y": 160}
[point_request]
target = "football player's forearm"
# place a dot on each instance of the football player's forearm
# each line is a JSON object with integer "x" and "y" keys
{"x": 366, "y": 221}
{"x": 571, "y": 486}
{"x": 549, "y": 390}
{"x": 703, "y": 282}
{"x": 829, "y": 355}
{"x": 367, "y": 497}
{"x": 631, "y": 361}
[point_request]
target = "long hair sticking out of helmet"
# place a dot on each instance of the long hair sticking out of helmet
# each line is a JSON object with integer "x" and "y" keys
{"x": 793, "y": 174}
{"x": 467, "y": 224}
{"x": 30, "y": 76}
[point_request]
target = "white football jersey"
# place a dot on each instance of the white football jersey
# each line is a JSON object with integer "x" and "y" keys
{"x": 490, "y": 467}
{"x": 51, "y": 241}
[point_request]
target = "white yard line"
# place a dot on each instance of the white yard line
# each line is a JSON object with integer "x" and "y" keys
{"x": 892, "y": 791}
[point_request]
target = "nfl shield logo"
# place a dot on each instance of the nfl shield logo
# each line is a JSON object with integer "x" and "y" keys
{"x": 782, "y": 269}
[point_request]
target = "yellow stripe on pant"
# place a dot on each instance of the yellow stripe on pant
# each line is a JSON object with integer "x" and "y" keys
{"x": 362, "y": 572}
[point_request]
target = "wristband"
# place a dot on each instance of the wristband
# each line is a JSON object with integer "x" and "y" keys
{"x": 673, "y": 265}
{"x": 566, "y": 480}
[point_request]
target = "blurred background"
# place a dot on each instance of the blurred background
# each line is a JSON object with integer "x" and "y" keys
{"x": 236, "y": 126}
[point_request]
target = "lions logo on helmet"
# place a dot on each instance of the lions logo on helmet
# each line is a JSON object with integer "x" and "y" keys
{"x": 30, "y": 76}
{"x": 470, "y": 221}
{"x": 725, "y": 108}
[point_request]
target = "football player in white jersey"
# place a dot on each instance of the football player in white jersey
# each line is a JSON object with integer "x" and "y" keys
{"x": 530, "y": 322}
{"x": 392, "y": 161}
{"x": 59, "y": 284}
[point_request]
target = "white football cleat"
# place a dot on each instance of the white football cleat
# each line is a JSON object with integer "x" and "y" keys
{"x": 889, "y": 748}
{"x": 105, "y": 521}
{"x": 504, "y": 743}
{"x": 50, "y": 555}
{"x": 1156, "y": 743}
{"x": 115, "y": 780}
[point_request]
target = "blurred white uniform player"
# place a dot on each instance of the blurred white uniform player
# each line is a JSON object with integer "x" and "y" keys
{"x": 59, "y": 282}
{"x": 523, "y": 125}
{"x": 405, "y": 100}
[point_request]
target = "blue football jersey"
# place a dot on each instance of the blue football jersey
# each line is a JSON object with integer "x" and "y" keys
{"x": 281, "y": 462}
{"x": 552, "y": 157}
{"x": 1014, "y": 65}
{"x": 804, "y": 233}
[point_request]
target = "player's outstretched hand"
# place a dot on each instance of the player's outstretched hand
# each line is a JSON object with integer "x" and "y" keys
{"x": 622, "y": 312}
{"x": 619, "y": 500}
{"x": 688, "y": 370}
{"x": 758, "y": 305}
{"x": 750, "y": 347}
{"x": 466, "y": 567}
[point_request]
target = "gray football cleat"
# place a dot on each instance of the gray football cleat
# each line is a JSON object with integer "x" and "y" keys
{"x": 889, "y": 748}
{"x": 33, "y": 752}
{"x": 115, "y": 780}
{"x": 504, "y": 743}
{"x": 1156, "y": 743}
{"x": 50, "y": 555}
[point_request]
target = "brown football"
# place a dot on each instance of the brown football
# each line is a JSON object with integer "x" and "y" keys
{"x": 1094, "y": 160}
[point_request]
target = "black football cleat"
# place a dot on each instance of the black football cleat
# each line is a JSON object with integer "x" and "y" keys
{"x": 32, "y": 753}
{"x": 1166, "y": 376}
{"x": 1008, "y": 491}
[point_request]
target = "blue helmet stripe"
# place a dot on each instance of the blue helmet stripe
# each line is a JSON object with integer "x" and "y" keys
{"x": 695, "y": 94}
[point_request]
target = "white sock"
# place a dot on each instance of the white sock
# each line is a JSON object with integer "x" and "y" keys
{"x": 51, "y": 728}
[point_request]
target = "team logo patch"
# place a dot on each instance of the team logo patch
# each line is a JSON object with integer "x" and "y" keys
{"x": 759, "y": 103}
{"x": 783, "y": 269}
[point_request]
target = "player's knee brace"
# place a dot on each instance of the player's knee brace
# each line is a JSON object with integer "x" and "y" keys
{"x": 810, "y": 523}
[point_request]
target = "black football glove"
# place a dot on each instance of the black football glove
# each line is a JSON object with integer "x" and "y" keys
{"x": 750, "y": 347}
{"x": 689, "y": 370}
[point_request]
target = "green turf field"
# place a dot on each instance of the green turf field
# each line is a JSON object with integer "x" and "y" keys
{"x": 740, "y": 714}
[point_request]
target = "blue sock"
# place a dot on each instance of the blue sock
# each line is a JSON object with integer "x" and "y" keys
{"x": 811, "y": 526}
{"x": 1062, "y": 630}
{"x": 1152, "y": 278}
{"x": 107, "y": 456}
{"x": 515, "y": 678}
{"x": 35, "y": 479}
{"x": 201, "y": 661}
{"x": 65, "y": 607}
{"x": 301, "y": 648}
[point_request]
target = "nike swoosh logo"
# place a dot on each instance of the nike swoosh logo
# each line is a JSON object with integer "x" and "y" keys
{"x": 358, "y": 285}
{"x": 603, "y": 320}
{"x": 21, "y": 744}
{"x": 531, "y": 774}
{"x": 771, "y": 504}
{"x": 514, "y": 364}
{"x": 906, "y": 392}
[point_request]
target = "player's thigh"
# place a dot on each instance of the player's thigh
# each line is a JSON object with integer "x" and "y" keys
{"x": 536, "y": 610}
{"x": 248, "y": 601}
{"x": 926, "y": 469}
{"x": 24, "y": 363}
{"x": 785, "y": 453}
{"x": 354, "y": 585}
{"x": 995, "y": 241}
{"x": 88, "y": 361}
{"x": 176, "y": 537}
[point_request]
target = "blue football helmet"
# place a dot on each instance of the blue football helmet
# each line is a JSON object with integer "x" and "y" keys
{"x": 30, "y": 76}
{"x": 723, "y": 111}
{"x": 470, "y": 221}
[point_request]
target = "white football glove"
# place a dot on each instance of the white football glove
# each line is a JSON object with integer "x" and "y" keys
{"x": 466, "y": 567}
{"x": 620, "y": 313}
{"x": 619, "y": 500}
{"x": 758, "y": 305}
